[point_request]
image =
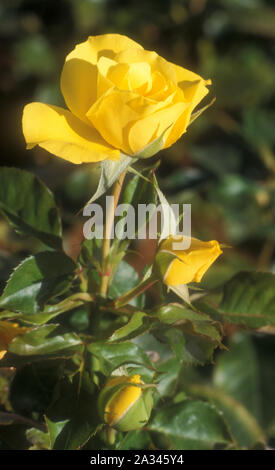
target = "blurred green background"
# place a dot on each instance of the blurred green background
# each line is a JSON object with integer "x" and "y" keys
{"x": 224, "y": 166}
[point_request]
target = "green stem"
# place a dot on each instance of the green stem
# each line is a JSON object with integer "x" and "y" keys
{"x": 106, "y": 268}
{"x": 131, "y": 294}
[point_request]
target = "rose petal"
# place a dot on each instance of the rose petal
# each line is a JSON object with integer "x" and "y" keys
{"x": 61, "y": 133}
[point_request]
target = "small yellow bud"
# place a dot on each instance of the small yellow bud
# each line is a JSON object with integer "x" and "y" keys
{"x": 123, "y": 406}
{"x": 184, "y": 266}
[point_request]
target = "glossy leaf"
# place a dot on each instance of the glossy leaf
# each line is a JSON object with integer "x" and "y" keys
{"x": 174, "y": 312}
{"x": 237, "y": 373}
{"x": 139, "y": 439}
{"x": 241, "y": 423}
{"x": 29, "y": 206}
{"x": 190, "y": 425}
{"x": 124, "y": 279}
{"x": 73, "y": 416}
{"x": 187, "y": 347}
{"x": 55, "y": 429}
{"x": 169, "y": 373}
{"x": 38, "y": 342}
{"x": 51, "y": 311}
{"x": 139, "y": 323}
{"x": 112, "y": 356}
{"x": 36, "y": 280}
{"x": 249, "y": 299}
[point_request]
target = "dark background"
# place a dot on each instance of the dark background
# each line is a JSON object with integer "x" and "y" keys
{"x": 224, "y": 166}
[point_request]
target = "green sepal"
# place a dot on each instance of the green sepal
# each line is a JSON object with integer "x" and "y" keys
{"x": 162, "y": 262}
{"x": 153, "y": 148}
{"x": 138, "y": 414}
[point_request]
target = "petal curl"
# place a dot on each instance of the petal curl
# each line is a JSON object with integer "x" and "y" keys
{"x": 193, "y": 92}
{"x": 57, "y": 130}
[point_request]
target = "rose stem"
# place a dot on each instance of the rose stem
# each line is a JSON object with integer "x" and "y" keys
{"x": 107, "y": 235}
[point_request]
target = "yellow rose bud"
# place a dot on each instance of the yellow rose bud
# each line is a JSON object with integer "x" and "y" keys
{"x": 120, "y": 98}
{"x": 184, "y": 266}
{"x": 123, "y": 406}
{"x": 8, "y": 331}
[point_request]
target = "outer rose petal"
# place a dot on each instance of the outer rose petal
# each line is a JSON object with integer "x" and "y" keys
{"x": 61, "y": 133}
{"x": 194, "y": 92}
{"x": 79, "y": 75}
{"x": 194, "y": 262}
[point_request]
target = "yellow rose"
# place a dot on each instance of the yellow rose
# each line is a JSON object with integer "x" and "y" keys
{"x": 8, "y": 331}
{"x": 189, "y": 265}
{"x": 120, "y": 99}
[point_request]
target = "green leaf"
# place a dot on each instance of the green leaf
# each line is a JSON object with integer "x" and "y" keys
{"x": 29, "y": 206}
{"x": 38, "y": 342}
{"x": 77, "y": 409}
{"x": 137, "y": 191}
{"x": 194, "y": 335}
{"x": 168, "y": 379}
{"x": 7, "y": 314}
{"x": 237, "y": 373}
{"x": 112, "y": 356}
{"x": 139, "y": 439}
{"x": 36, "y": 280}
{"x": 124, "y": 279}
{"x": 174, "y": 312}
{"x": 138, "y": 324}
{"x": 55, "y": 429}
{"x": 190, "y": 425}
{"x": 72, "y": 302}
{"x": 187, "y": 347}
{"x": 241, "y": 423}
{"x": 249, "y": 299}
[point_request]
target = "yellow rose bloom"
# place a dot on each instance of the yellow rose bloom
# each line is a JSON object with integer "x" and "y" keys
{"x": 191, "y": 264}
{"x": 8, "y": 331}
{"x": 120, "y": 98}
